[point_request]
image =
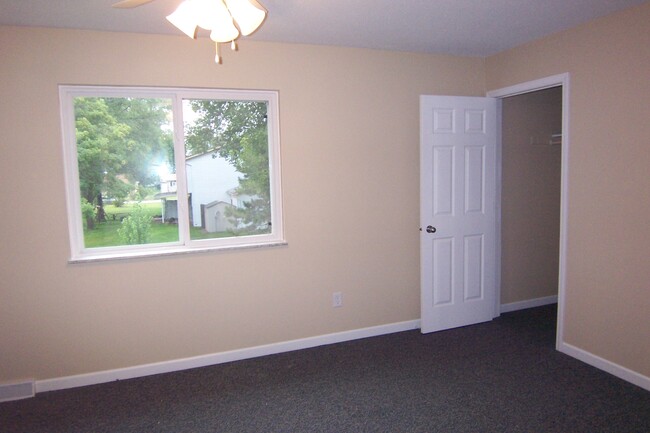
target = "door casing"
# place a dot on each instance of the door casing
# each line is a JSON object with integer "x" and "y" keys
{"x": 560, "y": 80}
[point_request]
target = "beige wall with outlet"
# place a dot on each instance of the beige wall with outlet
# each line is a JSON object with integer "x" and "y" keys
{"x": 349, "y": 130}
{"x": 530, "y": 191}
{"x": 350, "y": 149}
{"x": 608, "y": 253}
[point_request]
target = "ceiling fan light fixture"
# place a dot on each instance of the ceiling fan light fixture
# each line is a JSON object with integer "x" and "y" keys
{"x": 208, "y": 13}
{"x": 217, "y": 56}
{"x": 220, "y": 23}
{"x": 249, "y": 14}
{"x": 224, "y": 18}
{"x": 184, "y": 18}
{"x": 224, "y": 34}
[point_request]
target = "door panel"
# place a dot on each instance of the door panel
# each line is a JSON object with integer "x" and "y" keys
{"x": 474, "y": 179}
{"x": 443, "y": 261}
{"x": 458, "y": 192}
{"x": 474, "y": 262}
{"x": 443, "y": 180}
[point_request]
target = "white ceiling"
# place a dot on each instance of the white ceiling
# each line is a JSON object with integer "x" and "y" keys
{"x": 459, "y": 27}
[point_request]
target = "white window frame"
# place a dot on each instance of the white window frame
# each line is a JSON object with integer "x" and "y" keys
{"x": 78, "y": 253}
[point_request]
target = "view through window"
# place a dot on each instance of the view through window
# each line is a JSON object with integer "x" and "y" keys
{"x": 155, "y": 171}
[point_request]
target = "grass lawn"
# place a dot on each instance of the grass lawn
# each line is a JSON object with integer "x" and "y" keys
{"x": 105, "y": 234}
{"x": 152, "y": 208}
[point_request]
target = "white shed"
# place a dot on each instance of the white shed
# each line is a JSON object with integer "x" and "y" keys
{"x": 215, "y": 217}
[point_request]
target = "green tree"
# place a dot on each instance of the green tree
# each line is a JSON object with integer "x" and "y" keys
{"x": 118, "y": 142}
{"x": 136, "y": 227}
{"x": 100, "y": 140}
{"x": 88, "y": 211}
{"x": 220, "y": 126}
{"x": 253, "y": 163}
{"x": 237, "y": 131}
{"x": 147, "y": 141}
{"x": 119, "y": 191}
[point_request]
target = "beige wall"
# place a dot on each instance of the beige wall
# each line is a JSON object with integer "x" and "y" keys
{"x": 349, "y": 124}
{"x": 608, "y": 257}
{"x": 530, "y": 190}
{"x": 350, "y": 140}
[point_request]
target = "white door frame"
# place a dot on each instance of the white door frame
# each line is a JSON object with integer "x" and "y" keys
{"x": 518, "y": 89}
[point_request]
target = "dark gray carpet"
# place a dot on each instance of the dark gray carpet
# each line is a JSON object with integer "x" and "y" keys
{"x": 502, "y": 376}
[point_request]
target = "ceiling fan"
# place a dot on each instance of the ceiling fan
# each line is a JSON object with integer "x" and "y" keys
{"x": 226, "y": 19}
{"x": 128, "y": 4}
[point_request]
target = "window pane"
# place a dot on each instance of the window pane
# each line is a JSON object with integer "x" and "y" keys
{"x": 227, "y": 164}
{"x": 124, "y": 149}
{"x": 123, "y": 179}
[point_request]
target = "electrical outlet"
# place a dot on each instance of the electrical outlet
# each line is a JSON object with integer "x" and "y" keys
{"x": 337, "y": 299}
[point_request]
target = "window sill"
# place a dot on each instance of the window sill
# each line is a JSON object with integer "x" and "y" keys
{"x": 170, "y": 251}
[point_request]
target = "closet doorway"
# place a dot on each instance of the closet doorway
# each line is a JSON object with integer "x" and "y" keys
{"x": 533, "y": 198}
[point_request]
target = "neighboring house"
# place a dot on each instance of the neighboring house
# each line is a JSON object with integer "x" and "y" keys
{"x": 168, "y": 196}
{"x": 212, "y": 186}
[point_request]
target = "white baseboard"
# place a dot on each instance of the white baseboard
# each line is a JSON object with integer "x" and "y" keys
{"x": 582, "y": 355}
{"x": 605, "y": 365}
{"x": 219, "y": 358}
{"x": 16, "y": 390}
{"x": 530, "y": 303}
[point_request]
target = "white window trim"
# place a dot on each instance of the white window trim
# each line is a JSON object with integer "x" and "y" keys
{"x": 78, "y": 253}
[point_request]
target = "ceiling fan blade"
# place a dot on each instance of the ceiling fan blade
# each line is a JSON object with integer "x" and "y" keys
{"x": 128, "y": 4}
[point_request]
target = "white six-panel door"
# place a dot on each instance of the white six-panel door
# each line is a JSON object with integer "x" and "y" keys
{"x": 457, "y": 210}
